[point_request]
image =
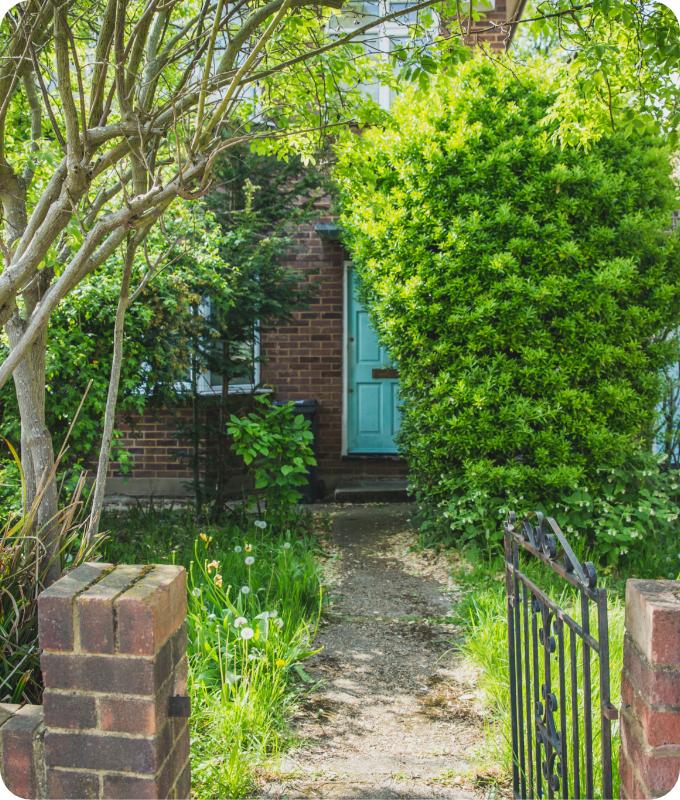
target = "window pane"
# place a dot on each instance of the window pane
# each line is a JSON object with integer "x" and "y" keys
{"x": 404, "y": 19}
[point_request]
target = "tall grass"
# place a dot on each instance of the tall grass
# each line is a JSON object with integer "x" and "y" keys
{"x": 23, "y": 569}
{"x": 482, "y": 613}
{"x": 250, "y": 626}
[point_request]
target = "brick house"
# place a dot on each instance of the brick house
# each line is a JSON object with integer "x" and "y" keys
{"x": 328, "y": 353}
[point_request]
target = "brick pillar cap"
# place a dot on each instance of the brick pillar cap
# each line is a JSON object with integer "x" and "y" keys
{"x": 99, "y": 608}
{"x": 653, "y": 619}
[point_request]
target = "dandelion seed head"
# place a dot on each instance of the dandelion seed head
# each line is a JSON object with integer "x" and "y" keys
{"x": 238, "y": 549}
{"x": 239, "y": 621}
{"x": 245, "y": 589}
{"x": 249, "y": 561}
{"x": 247, "y": 633}
{"x": 261, "y": 524}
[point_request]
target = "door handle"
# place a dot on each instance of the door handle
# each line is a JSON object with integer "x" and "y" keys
{"x": 384, "y": 373}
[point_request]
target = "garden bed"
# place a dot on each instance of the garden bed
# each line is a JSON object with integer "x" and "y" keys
{"x": 255, "y": 597}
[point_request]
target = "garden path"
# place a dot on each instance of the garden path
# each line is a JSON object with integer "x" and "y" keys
{"x": 395, "y": 715}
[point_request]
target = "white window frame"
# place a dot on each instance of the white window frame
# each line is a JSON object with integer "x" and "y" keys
{"x": 204, "y": 387}
{"x": 386, "y": 32}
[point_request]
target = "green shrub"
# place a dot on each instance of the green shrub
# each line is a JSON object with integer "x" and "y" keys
{"x": 525, "y": 291}
{"x": 275, "y": 444}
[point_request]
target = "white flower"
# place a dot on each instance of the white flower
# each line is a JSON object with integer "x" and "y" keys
{"x": 249, "y": 561}
{"x": 261, "y": 524}
{"x": 240, "y": 621}
{"x": 238, "y": 549}
{"x": 245, "y": 589}
{"x": 196, "y": 592}
{"x": 247, "y": 633}
{"x": 286, "y": 545}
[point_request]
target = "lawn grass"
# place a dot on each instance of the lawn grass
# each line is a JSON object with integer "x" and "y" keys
{"x": 483, "y": 617}
{"x": 250, "y": 626}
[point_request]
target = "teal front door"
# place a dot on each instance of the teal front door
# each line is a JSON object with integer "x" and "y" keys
{"x": 373, "y": 387}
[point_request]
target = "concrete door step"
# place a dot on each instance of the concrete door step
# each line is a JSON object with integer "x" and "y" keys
{"x": 375, "y": 491}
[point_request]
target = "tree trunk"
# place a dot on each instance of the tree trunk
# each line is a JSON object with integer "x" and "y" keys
{"x": 112, "y": 397}
{"x": 37, "y": 451}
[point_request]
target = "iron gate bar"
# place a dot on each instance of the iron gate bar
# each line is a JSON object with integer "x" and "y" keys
{"x": 559, "y": 613}
{"x": 538, "y": 701}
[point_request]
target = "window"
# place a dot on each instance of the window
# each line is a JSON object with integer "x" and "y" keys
{"x": 244, "y": 354}
{"x": 384, "y": 38}
{"x": 246, "y": 379}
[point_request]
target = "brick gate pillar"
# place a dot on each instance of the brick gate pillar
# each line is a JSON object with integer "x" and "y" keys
{"x": 650, "y": 716}
{"x": 114, "y": 667}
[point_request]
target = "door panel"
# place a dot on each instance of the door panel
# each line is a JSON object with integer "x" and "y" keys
{"x": 373, "y": 400}
{"x": 369, "y": 406}
{"x": 368, "y": 349}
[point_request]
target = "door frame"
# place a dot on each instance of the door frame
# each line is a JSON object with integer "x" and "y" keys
{"x": 346, "y": 267}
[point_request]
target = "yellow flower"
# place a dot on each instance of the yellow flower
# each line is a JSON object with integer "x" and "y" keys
{"x": 213, "y": 565}
{"x": 205, "y": 538}
{"x": 248, "y": 548}
{"x": 280, "y": 662}
{"x": 218, "y": 579}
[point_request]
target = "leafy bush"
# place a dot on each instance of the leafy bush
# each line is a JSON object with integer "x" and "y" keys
{"x": 525, "y": 290}
{"x": 275, "y": 443}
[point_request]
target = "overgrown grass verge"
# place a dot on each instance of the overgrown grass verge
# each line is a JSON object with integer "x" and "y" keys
{"x": 255, "y": 597}
{"x": 483, "y": 616}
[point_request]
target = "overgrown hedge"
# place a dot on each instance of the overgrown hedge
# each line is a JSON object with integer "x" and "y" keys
{"x": 526, "y": 291}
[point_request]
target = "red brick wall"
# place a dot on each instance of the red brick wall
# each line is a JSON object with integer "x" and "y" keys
{"x": 155, "y": 444}
{"x": 491, "y": 30}
{"x": 304, "y": 359}
{"x": 113, "y": 655}
{"x": 114, "y": 719}
{"x": 21, "y": 749}
{"x": 300, "y": 360}
{"x": 650, "y": 688}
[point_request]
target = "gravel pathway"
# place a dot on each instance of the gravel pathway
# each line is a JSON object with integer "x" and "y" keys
{"x": 393, "y": 715}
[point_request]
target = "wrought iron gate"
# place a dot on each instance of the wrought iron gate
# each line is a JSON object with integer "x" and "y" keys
{"x": 551, "y": 695}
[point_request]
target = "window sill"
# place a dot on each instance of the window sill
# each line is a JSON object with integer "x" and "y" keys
{"x": 242, "y": 389}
